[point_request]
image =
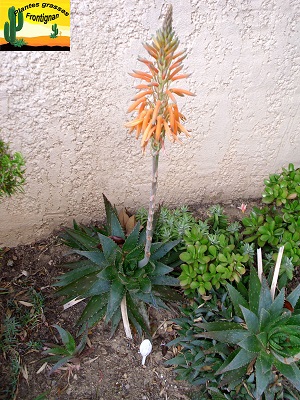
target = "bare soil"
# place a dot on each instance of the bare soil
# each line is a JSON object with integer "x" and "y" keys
{"x": 108, "y": 368}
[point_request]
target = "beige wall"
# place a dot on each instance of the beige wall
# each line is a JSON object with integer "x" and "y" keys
{"x": 66, "y": 111}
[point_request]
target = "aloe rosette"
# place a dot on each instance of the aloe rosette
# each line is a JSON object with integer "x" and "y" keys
{"x": 266, "y": 339}
{"x": 109, "y": 277}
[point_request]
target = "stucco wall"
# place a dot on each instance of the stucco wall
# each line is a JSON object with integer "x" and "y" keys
{"x": 66, "y": 111}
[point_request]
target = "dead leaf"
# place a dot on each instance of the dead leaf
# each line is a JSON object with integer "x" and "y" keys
{"x": 42, "y": 368}
{"x": 130, "y": 224}
{"x": 25, "y": 303}
{"x": 24, "y": 372}
{"x": 123, "y": 217}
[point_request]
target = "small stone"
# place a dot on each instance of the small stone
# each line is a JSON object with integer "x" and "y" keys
{"x": 10, "y": 263}
{"x": 127, "y": 386}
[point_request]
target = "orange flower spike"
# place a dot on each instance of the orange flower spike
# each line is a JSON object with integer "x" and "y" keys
{"x": 135, "y": 104}
{"x": 179, "y": 54}
{"x": 156, "y": 111}
{"x": 159, "y": 124}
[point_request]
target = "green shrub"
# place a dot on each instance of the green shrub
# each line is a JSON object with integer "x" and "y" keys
{"x": 11, "y": 171}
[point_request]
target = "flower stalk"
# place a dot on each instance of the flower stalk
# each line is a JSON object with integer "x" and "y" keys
{"x": 155, "y": 104}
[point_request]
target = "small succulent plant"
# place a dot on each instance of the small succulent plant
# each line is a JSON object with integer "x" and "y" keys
{"x": 68, "y": 353}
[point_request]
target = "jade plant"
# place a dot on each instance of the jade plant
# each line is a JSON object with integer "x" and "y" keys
{"x": 11, "y": 27}
{"x": 214, "y": 254}
{"x": 108, "y": 274}
{"x": 11, "y": 171}
{"x": 157, "y": 113}
{"x": 282, "y": 188}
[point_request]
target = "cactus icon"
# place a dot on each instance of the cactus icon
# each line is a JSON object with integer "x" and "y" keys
{"x": 10, "y": 28}
{"x": 55, "y": 31}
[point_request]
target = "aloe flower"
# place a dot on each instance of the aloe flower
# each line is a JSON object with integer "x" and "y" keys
{"x": 156, "y": 106}
{"x": 155, "y": 103}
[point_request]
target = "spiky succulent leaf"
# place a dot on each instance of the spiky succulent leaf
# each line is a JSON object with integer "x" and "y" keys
{"x": 116, "y": 294}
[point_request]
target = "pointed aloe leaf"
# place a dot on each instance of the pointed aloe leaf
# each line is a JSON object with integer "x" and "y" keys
{"x": 60, "y": 363}
{"x": 115, "y": 320}
{"x": 165, "y": 280}
{"x": 251, "y": 343}
{"x": 95, "y": 304}
{"x": 112, "y": 220}
{"x": 243, "y": 357}
{"x": 163, "y": 250}
{"x": 263, "y": 377}
{"x": 250, "y": 319}
{"x": 290, "y": 371}
{"x": 79, "y": 240}
{"x": 167, "y": 293}
{"x": 160, "y": 269}
{"x": 96, "y": 256}
{"x": 77, "y": 288}
{"x": 277, "y": 305}
{"x": 82, "y": 343}
{"x": 254, "y": 290}
{"x": 145, "y": 285}
{"x": 294, "y": 296}
{"x": 233, "y": 378}
{"x": 132, "y": 240}
{"x": 99, "y": 287}
{"x": 56, "y": 351}
{"x": 237, "y": 300}
{"x": 116, "y": 294}
{"x": 66, "y": 338}
{"x": 74, "y": 275}
{"x": 108, "y": 274}
{"x": 137, "y": 314}
{"x": 136, "y": 254}
{"x": 93, "y": 318}
{"x": 264, "y": 319}
{"x": 225, "y": 332}
{"x": 109, "y": 247}
{"x": 265, "y": 298}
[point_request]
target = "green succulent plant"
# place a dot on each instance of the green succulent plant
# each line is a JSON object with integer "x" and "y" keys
{"x": 270, "y": 228}
{"x": 267, "y": 338}
{"x": 282, "y": 188}
{"x": 199, "y": 359}
{"x": 109, "y": 276}
{"x": 213, "y": 255}
{"x": 171, "y": 224}
{"x": 61, "y": 355}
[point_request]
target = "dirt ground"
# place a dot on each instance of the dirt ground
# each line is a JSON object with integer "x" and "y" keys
{"x": 108, "y": 369}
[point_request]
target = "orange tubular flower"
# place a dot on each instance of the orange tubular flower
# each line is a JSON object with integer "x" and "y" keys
{"x": 155, "y": 103}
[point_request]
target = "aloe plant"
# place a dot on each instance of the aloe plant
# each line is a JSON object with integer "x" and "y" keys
{"x": 109, "y": 275}
{"x": 267, "y": 338}
{"x": 156, "y": 106}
